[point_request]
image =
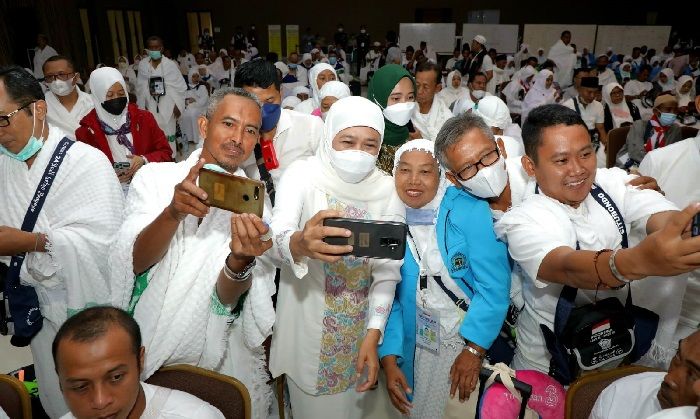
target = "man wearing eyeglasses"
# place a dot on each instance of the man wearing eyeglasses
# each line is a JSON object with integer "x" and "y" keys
{"x": 67, "y": 105}
{"x": 58, "y": 264}
{"x": 478, "y": 163}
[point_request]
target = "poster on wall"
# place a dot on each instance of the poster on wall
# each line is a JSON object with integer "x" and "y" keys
{"x": 292, "y": 32}
{"x": 274, "y": 36}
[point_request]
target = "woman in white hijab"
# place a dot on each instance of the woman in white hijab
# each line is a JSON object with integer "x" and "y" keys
{"x": 518, "y": 87}
{"x": 127, "y": 72}
{"x": 332, "y": 309}
{"x": 618, "y": 112}
{"x": 541, "y": 93}
{"x": 453, "y": 89}
{"x": 685, "y": 92}
{"x": 290, "y": 102}
{"x": 666, "y": 83}
{"x": 441, "y": 220}
{"x": 123, "y": 132}
{"x": 196, "y": 98}
{"x": 330, "y": 93}
{"x": 319, "y": 75}
{"x": 497, "y": 116}
{"x": 521, "y": 55}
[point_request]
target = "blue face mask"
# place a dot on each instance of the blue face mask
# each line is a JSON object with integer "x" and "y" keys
{"x": 332, "y": 60}
{"x": 420, "y": 217}
{"x": 155, "y": 55}
{"x": 292, "y": 66}
{"x": 30, "y": 149}
{"x": 667, "y": 119}
{"x": 270, "y": 116}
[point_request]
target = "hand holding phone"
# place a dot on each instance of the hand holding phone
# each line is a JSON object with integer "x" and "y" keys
{"x": 310, "y": 243}
{"x": 249, "y": 236}
{"x": 695, "y": 226}
{"x": 189, "y": 198}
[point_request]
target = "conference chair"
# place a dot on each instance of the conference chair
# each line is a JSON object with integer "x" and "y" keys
{"x": 225, "y": 393}
{"x": 616, "y": 139}
{"x": 583, "y": 393}
{"x": 14, "y": 398}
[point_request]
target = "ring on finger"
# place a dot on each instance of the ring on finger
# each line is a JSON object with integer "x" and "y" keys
{"x": 267, "y": 236}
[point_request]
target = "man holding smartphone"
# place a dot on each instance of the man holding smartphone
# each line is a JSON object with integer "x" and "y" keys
{"x": 193, "y": 263}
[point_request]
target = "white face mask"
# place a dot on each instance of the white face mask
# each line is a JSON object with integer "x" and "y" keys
{"x": 352, "y": 165}
{"x": 489, "y": 181}
{"x": 399, "y": 113}
{"x": 123, "y": 65}
{"x": 478, "y": 94}
{"x": 61, "y": 87}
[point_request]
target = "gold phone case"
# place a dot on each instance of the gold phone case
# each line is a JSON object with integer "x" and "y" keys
{"x": 233, "y": 193}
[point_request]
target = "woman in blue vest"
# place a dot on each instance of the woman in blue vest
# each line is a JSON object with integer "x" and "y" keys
{"x": 453, "y": 294}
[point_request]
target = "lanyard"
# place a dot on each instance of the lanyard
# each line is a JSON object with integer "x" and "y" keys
{"x": 423, "y": 279}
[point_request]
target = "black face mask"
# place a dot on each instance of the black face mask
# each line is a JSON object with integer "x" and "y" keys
{"x": 602, "y": 68}
{"x": 115, "y": 106}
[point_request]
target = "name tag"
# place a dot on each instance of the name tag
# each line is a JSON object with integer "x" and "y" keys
{"x": 428, "y": 329}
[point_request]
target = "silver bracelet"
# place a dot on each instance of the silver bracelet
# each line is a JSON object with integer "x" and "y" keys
{"x": 613, "y": 268}
{"x": 472, "y": 350}
{"x": 242, "y": 276}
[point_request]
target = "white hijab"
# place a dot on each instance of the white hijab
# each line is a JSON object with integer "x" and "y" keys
{"x": 334, "y": 88}
{"x": 684, "y": 99}
{"x": 290, "y": 102}
{"x": 620, "y": 112}
{"x": 100, "y": 81}
{"x": 449, "y": 94}
{"x": 494, "y": 112}
{"x": 126, "y": 67}
{"x": 373, "y": 190}
{"x": 193, "y": 71}
{"x": 422, "y": 233}
{"x": 519, "y": 79}
{"x": 539, "y": 94}
{"x": 670, "y": 84}
{"x": 313, "y": 75}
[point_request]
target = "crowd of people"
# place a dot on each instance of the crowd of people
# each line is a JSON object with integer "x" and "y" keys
{"x": 522, "y": 248}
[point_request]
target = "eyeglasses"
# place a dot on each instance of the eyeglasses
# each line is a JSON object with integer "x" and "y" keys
{"x": 5, "y": 119}
{"x": 471, "y": 170}
{"x": 60, "y": 76}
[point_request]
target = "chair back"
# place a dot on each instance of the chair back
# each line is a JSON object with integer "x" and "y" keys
{"x": 583, "y": 393}
{"x": 616, "y": 139}
{"x": 225, "y": 393}
{"x": 14, "y": 398}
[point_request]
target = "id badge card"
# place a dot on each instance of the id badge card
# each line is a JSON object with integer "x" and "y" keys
{"x": 428, "y": 329}
{"x": 156, "y": 86}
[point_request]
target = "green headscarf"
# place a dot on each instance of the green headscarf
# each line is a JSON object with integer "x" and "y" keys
{"x": 380, "y": 87}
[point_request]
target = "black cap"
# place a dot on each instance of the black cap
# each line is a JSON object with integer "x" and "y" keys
{"x": 591, "y": 82}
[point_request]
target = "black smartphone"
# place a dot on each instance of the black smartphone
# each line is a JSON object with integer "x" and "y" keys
{"x": 370, "y": 238}
{"x": 695, "y": 226}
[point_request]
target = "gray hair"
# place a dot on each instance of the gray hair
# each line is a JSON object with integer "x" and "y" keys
{"x": 453, "y": 130}
{"x": 220, "y": 94}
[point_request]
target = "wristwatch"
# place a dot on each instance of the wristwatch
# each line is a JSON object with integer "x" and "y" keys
{"x": 238, "y": 276}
